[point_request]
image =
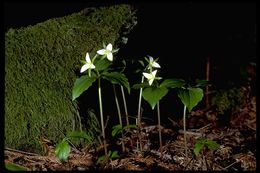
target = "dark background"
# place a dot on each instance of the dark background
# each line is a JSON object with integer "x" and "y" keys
{"x": 182, "y": 35}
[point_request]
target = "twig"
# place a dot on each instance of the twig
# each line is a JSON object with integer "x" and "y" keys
{"x": 22, "y": 152}
{"x": 190, "y": 133}
{"x": 250, "y": 127}
{"x": 106, "y": 122}
{"x": 231, "y": 164}
{"x": 204, "y": 127}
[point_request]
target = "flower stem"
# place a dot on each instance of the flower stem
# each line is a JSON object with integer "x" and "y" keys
{"x": 101, "y": 117}
{"x": 139, "y": 113}
{"x": 159, "y": 124}
{"x": 125, "y": 106}
{"x": 119, "y": 115}
{"x": 126, "y": 112}
{"x": 184, "y": 129}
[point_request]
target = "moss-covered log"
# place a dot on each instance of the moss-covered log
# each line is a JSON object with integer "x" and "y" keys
{"x": 41, "y": 62}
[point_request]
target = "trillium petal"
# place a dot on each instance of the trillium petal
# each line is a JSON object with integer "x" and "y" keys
{"x": 151, "y": 81}
{"x": 92, "y": 66}
{"x": 109, "y": 47}
{"x": 84, "y": 68}
{"x": 154, "y": 73}
{"x": 147, "y": 75}
{"x": 101, "y": 52}
{"x": 156, "y": 65}
{"x": 150, "y": 59}
{"x": 87, "y": 58}
{"x": 110, "y": 56}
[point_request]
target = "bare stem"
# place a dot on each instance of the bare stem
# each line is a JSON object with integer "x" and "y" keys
{"x": 126, "y": 111}
{"x": 207, "y": 78}
{"x": 159, "y": 124}
{"x": 139, "y": 113}
{"x": 119, "y": 115}
{"x": 184, "y": 129}
{"x": 125, "y": 106}
{"x": 101, "y": 117}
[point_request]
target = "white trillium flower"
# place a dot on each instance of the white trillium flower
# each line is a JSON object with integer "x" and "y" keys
{"x": 153, "y": 63}
{"x": 88, "y": 65}
{"x": 150, "y": 76}
{"x": 107, "y": 52}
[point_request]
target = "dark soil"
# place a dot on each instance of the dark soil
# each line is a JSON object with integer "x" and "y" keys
{"x": 237, "y": 150}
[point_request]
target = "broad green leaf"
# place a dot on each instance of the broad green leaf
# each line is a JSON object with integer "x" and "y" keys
{"x": 213, "y": 145}
{"x": 100, "y": 159}
{"x": 152, "y": 95}
{"x": 14, "y": 167}
{"x": 173, "y": 83}
{"x": 130, "y": 126}
{"x": 114, "y": 155}
{"x": 190, "y": 97}
{"x": 62, "y": 150}
{"x": 140, "y": 85}
{"x": 199, "y": 146}
{"x": 102, "y": 64}
{"x": 117, "y": 78}
{"x": 78, "y": 134}
{"x": 82, "y": 84}
{"x": 202, "y": 83}
{"x": 116, "y": 129}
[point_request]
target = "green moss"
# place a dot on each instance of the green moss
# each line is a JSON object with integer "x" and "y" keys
{"x": 228, "y": 100}
{"x": 41, "y": 62}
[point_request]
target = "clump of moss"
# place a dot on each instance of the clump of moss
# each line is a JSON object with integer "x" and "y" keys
{"x": 228, "y": 99}
{"x": 41, "y": 63}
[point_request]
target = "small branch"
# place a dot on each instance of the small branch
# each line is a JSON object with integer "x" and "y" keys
{"x": 207, "y": 78}
{"x": 204, "y": 127}
{"x": 190, "y": 133}
{"x": 106, "y": 122}
{"x": 22, "y": 152}
{"x": 231, "y": 165}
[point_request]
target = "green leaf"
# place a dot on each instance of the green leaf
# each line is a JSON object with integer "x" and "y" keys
{"x": 116, "y": 129}
{"x": 140, "y": 85}
{"x": 100, "y": 159}
{"x": 62, "y": 150}
{"x": 173, "y": 83}
{"x": 130, "y": 126}
{"x": 102, "y": 64}
{"x": 199, "y": 146}
{"x": 213, "y": 145}
{"x": 117, "y": 78}
{"x": 82, "y": 84}
{"x": 141, "y": 62}
{"x": 190, "y": 97}
{"x": 202, "y": 83}
{"x": 78, "y": 134}
{"x": 15, "y": 167}
{"x": 114, "y": 155}
{"x": 152, "y": 95}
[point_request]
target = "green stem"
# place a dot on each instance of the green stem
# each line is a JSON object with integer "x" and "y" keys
{"x": 184, "y": 129}
{"x": 119, "y": 115}
{"x": 125, "y": 106}
{"x": 159, "y": 124}
{"x": 139, "y": 112}
{"x": 126, "y": 112}
{"x": 139, "y": 105}
{"x": 101, "y": 117}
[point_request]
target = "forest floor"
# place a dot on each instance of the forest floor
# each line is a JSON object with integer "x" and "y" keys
{"x": 237, "y": 151}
